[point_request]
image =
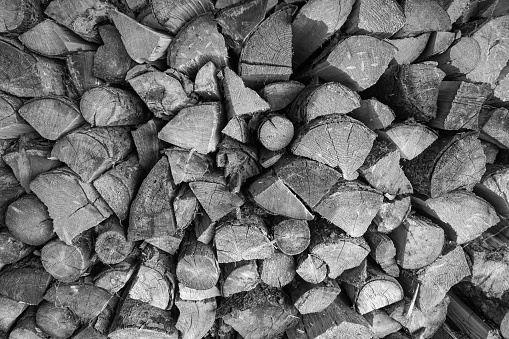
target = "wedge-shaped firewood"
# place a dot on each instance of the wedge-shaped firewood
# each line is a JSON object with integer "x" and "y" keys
{"x": 28, "y": 75}
{"x": 311, "y": 268}
{"x": 351, "y": 206}
{"x": 454, "y": 62}
{"x": 311, "y": 298}
{"x": 237, "y": 128}
{"x": 314, "y": 24}
{"x": 493, "y": 187}
{"x": 196, "y": 318}
{"x": 373, "y": 114}
{"x": 328, "y": 140}
{"x": 186, "y": 208}
{"x": 111, "y": 244}
{"x": 186, "y": 293}
{"x": 151, "y": 214}
{"x": 173, "y": 14}
{"x": 240, "y": 276}
{"x": 206, "y": 83}
{"x": 73, "y": 216}
{"x": 281, "y": 94}
{"x": 11, "y": 249}
{"x": 338, "y": 250}
{"x": 113, "y": 278}
{"x": 381, "y": 323}
{"x": 11, "y": 190}
{"x": 19, "y": 16}
{"x": 79, "y": 68}
{"x": 12, "y": 124}
{"x": 263, "y": 312}
{"x": 493, "y": 126}
{"x": 257, "y": 66}
{"x": 197, "y": 127}
{"x": 188, "y": 166}
{"x": 463, "y": 215}
{"x": 52, "y": 117}
{"x": 409, "y": 48}
{"x": 10, "y": 311}
{"x": 357, "y": 61}
{"x": 292, "y": 236}
{"x": 451, "y": 162}
{"x": 147, "y": 144}
{"x": 410, "y": 138}
{"x": 111, "y": 61}
{"x": 278, "y": 270}
{"x": 438, "y": 43}
{"x": 383, "y": 252}
{"x": 423, "y": 16}
{"x": 381, "y": 170}
{"x": 377, "y": 18}
{"x": 58, "y": 322}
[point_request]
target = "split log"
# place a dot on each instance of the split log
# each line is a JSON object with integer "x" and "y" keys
{"x": 351, "y": 206}
{"x": 263, "y": 312}
{"x": 111, "y": 244}
{"x": 11, "y": 249}
{"x": 458, "y": 9}
{"x": 240, "y": 276}
{"x": 142, "y": 43}
{"x": 277, "y": 270}
{"x": 492, "y": 187}
{"x": 79, "y": 68}
{"x": 492, "y": 124}
{"x": 147, "y": 144}
{"x": 423, "y": 16}
{"x": 67, "y": 263}
{"x": 151, "y": 214}
{"x": 268, "y": 158}
{"x": 438, "y": 43}
{"x": 26, "y": 328}
{"x": 460, "y": 155}
{"x": 186, "y": 208}
{"x": 339, "y": 251}
{"x": 244, "y": 238}
{"x": 113, "y": 278}
{"x": 188, "y": 166}
{"x": 206, "y": 83}
{"x": 490, "y": 151}
{"x": 409, "y": 48}
{"x": 314, "y": 24}
{"x": 57, "y": 322}
{"x": 292, "y": 236}
{"x": 28, "y": 75}
{"x": 462, "y": 215}
{"x": 196, "y": 318}
{"x": 197, "y": 43}
{"x": 89, "y": 333}
{"x": 322, "y": 99}
{"x": 4, "y": 145}
{"x": 311, "y": 268}
{"x": 373, "y": 114}
{"x": 73, "y": 216}
{"x": 119, "y": 185}
{"x": 111, "y": 61}
{"x": 266, "y": 55}
{"x": 381, "y": 323}
{"x": 312, "y": 298}
{"x": 380, "y": 19}
{"x": 454, "y": 61}
{"x": 105, "y": 318}
{"x": 63, "y": 40}
{"x": 335, "y": 133}
{"x": 418, "y": 242}
{"x": 10, "y": 310}
{"x": 20, "y": 16}
{"x": 12, "y": 124}
{"x": 186, "y": 293}
{"x": 146, "y": 17}
{"x": 356, "y": 275}
{"x": 383, "y": 252}
{"x": 52, "y": 117}
{"x": 281, "y": 94}
{"x": 173, "y": 14}
{"x": 92, "y": 151}
{"x": 358, "y": 69}
{"x": 163, "y": 94}
{"x": 11, "y": 190}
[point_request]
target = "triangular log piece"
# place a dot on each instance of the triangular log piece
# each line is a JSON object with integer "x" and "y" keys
{"x": 111, "y": 244}
{"x": 237, "y": 128}
{"x": 381, "y": 323}
{"x": 373, "y": 114}
{"x": 206, "y": 83}
{"x": 188, "y": 166}
{"x": 168, "y": 243}
{"x": 79, "y": 69}
{"x": 58, "y": 322}
{"x": 376, "y": 18}
{"x": 383, "y": 252}
{"x": 275, "y": 132}
{"x": 92, "y": 151}
{"x": 451, "y": 162}
{"x": 438, "y": 43}
{"x": 113, "y": 278}
{"x": 311, "y": 268}
{"x": 322, "y": 99}
{"x": 196, "y": 318}
{"x": 493, "y": 187}
{"x": 423, "y": 16}
{"x": 20, "y": 16}
{"x": 292, "y": 236}
{"x": 280, "y": 94}
{"x": 418, "y": 242}
{"x": 147, "y": 144}
{"x": 111, "y": 61}
{"x": 197, "y": 127}
{"x": 74, "y": 206}
{"x": 52, "y": 117}
{"x": 332, "y": 139}
{"x": 197, "y": 43}
{"x": 338, "y": 250}
{"x": 186, "y": 208}
{"x": 278, "y": 270}
{"x": 461, "y": 58}
{"x": 351, "y": 206}
{"x": 173, "y": 14}
{"x": 409, "y": 48}
{"x": 240, "y": 276}
{"x": 312, "y": 298}
{"x": 151, "y": 214}
{"x": 493, "y": 124}
{"x": 357, "y": 61}
{"x": 12, "y": 124}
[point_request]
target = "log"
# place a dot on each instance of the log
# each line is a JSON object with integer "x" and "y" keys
{"x": 186, "y": 209}
{"x": 356, "y": 275}
{"x": 186, "y": 293}
{"x": 291, "y": 236}
{"x": 52, "y": 117}
{"x": 492, "y": 125}
{"x": 322, "y": 99}
{"x": 411, "y": 139}
{"x": 11, "y": 249}
{"x": 380, "y": 19}
{"x": 453, "y": 61}
{"x": 457, "y": 9}
{"x": 113, "y": 278}
{"x": 240, "y": 276}
{"x": 12, "y": 124}
{"x": 373, "y": 114}
{"x": 173, "y": 14}
{"x": 490, "y": 151}
{"x": 111, "y": 61}
{"x": 147, "y": 144}
{"x": 104, "y": 320}
{"x": 56, "y": 322}
{"x": 492, "y": 188}
{"x": 28, "y": 75}
{"x": 438, "y": 43}
{"x": 70, "y": 218}
{"x": 111, "y": 244}
{"x": 359, "y": 68}
{"x": 281, "y": 94}
{"x": 89, "y": 333}
{"x": 314, "y": 24}
{"x": 383, "y": 252}
{"x": 409, "y": 48}
{"x": 334, "y": 133}
{"x": 311, "y": 268}
{"x": 312, "y": 298}
{"x": 197, "y": 127}
{"x": 188, "y": 166}
{"x": 26, "y": 328}
{"x": 119, "y": 185}
{"x": 196, "y": 318}
{"x": 381, "y": 323}
{"x": 460, "y": 154}
{"x": 5, "y": 144}
{"x": 277, "y": 270}
{"x": 266, "y": 55}
{"x": 206, "y": 83}
{"x": 10, "y": 311}
{"x": 423, "y": 16}
{"x": 268, "y": 158}
{"x": 20, "y": 16}
{"x": 79, "y": 67}
{"x": 11, "y": 190}
{"x": 351, "y": 206}
{"x": 418, "y": 242}
{"x": 275, "y": 132}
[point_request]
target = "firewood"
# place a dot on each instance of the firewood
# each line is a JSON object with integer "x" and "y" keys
{"x": 167, "y": 243}
{"x": 206, "y": 83}
{"x": 312, "y": 298}
{"x": 119, "y": 185}
{"x": 28, "y": 75}
{"x": 268, "y": 158}
{"x": 244, "y": 238}
{"x": 197, "y": 43}
{"x": 237, "y": 128}
{"x": 438, "y": 43}
{"x": 137, "y": 319}
{"x": 492, "y": 187}
{"x": 335, "y": 132}
{"x": 10, "y": 310}
{"x": 111, "y": 244}
{"x": 88, "y": 333}
{"x": 263, "y": 312}
{"x": 281, "y": 94}
{"x": 383, "y": 252}
{"x": 314, "y": 24}
{"x": 67, "y": 263}
{"x": 454, "y": 61}
{"x": 381, "y": 323}
{"x": 20, "y": 16}
{"x": 358, "y": 69}
{"x": 173, "y": 14}
{"x": 111, "y": 61}
{"x": 25, "y": 281}
{"x": 11, "y": 190}
{"x": 196, "y": 318}
{"x": 409, "y": 48}
{"x": 277, "y": 270}
{"x": 270, "y": 193}
{"x": 197, "y": 127}
{"x": 113, "y": 278}
{"x": 351, "y": 206}
{"x": 410, "y": 138}
{"x": 12, "y": 124}
{"x": 311, "y": 268}
{"x": 110, "y": 106}
{"x": 373, "y": 114}
{"x": 381, "y": 19}
{"x": 186, "y": 208}
{"x": 105, "y": 318}
{"x": 240, "y": 276}
{"x": 5, "y": 144}
{"x": 423, "y": 16}
{"x": 186, "y": 293}
{"x": 356, "y": 275}
{"x": 79, "y": 68}
{"x": 26, "y": 327}
{"x": 57, "y": 322}
{"x": 151, "y": 214}
{"x": 147, "y": 144}
{"x": 399, "y": 335}
{"x": 188, "y": 166}
{"x": 216, "y": 199}
{"x": 490, "y": 151}
{"x": 275, "y": 132}
{"x": 146, "y": 17}
{"x": 52, "y": 117}
{"x": 457, "y": 9}
{"x": 460, "y": 154}
{"x": 322, "y": 99}
{"x": 381, "y": 170}
{"x": 492, "y": 123}
{"x": 338, "y": 250}
{"x": 292, "y": 236}
{"x": 11, "y": 249}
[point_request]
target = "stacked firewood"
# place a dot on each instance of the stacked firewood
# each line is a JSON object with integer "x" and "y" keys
{"x": 254, "y": 169}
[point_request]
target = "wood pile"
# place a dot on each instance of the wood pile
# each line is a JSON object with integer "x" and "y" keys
{"x": 254, "y": 169}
